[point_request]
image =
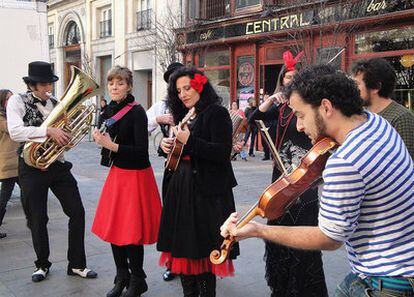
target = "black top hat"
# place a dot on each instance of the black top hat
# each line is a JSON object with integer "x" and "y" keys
{"x": 170, "y": 69}
{"x": 40, "y": 72}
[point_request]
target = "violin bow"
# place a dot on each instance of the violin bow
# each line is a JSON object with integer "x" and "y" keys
{"x": 272, "y": 147}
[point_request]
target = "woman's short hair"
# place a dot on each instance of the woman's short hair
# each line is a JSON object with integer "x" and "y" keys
{"x": 122, "y": 73}
{"x": 207, "y": 97}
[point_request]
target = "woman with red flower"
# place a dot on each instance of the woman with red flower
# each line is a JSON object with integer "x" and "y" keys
{"x": 198, "y": 196}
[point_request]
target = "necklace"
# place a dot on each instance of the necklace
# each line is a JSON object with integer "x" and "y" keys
{"x": 283, "y": 125}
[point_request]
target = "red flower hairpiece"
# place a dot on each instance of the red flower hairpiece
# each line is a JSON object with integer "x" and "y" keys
{"x": 290, "y": 62}
{"x": 198, "y": 82}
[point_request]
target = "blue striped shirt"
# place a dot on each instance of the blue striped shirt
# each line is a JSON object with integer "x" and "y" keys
{"x": 368, "y": 200}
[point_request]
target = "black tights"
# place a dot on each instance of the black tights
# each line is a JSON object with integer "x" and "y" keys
{"x": 129, "y": 256}
{"x": 202, "y": 285}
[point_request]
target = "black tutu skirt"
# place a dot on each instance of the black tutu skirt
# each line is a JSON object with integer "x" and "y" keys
{"x": 291, "y": 272}
{"x": 190, "y": 222}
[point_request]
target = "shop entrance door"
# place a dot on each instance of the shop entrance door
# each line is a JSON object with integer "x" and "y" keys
{"x": 270, "y": 77}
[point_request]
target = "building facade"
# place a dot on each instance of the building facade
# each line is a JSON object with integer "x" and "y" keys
{"x": 98, "y": 34}
{"x": 23, "y": 43}
{"x": 239, "y": 43}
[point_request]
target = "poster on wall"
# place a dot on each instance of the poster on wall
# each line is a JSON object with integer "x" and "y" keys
{"x": 245, "y": 80}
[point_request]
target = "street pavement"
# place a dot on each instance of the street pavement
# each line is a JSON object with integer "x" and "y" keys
{"x": 17, "y": 255}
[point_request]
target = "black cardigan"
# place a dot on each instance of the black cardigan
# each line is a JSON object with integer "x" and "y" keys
{"x": 209, "y": 147}
{"x": 132, "y": 136}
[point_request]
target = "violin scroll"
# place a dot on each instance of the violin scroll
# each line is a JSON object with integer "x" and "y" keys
{"x": 219, "y": 256}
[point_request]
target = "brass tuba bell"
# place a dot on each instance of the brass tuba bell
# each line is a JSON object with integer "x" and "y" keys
{"x": 70, "y": 116}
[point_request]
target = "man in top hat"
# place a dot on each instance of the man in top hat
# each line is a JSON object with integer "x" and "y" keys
{"x": 25, "y": 113}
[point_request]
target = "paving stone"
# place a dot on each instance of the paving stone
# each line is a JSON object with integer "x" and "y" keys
{"x": 17, "y": 255}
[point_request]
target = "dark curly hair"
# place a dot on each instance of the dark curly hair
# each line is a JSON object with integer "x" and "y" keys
{"x": 319, "y": 82}
{"x": 207, "y": 97}
{"x": 378, "y": 74}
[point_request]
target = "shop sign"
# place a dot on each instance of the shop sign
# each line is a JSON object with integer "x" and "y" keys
{"x": 246, "y": 74}
{"x": 301, "y": 19}
{"x": 276, "y": 24}
{"x": 375, "y": 6}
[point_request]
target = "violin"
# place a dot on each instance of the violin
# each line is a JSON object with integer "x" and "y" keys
{"x": 282, "y": 193}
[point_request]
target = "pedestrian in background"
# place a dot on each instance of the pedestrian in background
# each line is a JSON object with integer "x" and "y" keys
{"x": 376, "y": 80}
{"x": 8, "y": 158}
{"x": 252, "y": 128}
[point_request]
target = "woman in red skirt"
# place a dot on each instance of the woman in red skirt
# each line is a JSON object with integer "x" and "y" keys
{"x": 198, "y": 195}
{"x": 129, "y": 209}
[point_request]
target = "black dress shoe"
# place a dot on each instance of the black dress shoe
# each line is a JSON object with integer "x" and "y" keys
{"x": 168, "y": 275}
{"x": 39, "y": 274}
{"x": 265, "y": 158}
{"x": 2, "y": 235}
{"x": 84, "y": 272}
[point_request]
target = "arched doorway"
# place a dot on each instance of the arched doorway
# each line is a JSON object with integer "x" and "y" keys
{"x": 72, "y": 50}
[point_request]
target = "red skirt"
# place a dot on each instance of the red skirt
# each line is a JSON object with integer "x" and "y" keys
{"x": 129, "y": 209}
{"x": 196, "y": 267}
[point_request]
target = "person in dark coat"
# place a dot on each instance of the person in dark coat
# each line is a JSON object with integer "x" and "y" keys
{"x": 129, "y": 208}
{"x": 198, "y": 195}
{"x": 291, "y": 272}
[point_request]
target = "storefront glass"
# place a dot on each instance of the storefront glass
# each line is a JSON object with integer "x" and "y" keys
{"x": 245, "y": 80}
{"x": 216, "y": 58}
{"x": 383, "y": 41}
{"x": 220, "y": 79}
{"x": 404, "y": 92}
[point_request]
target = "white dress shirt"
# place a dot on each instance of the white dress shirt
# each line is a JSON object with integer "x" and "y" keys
{"x": 15, "y": 113}
{"x": 157, "y": 109}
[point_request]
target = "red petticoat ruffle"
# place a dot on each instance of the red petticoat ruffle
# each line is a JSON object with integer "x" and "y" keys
{"x": 196, "y": 267}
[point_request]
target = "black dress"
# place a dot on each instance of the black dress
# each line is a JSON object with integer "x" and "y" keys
{"x": 198, "y": 196}
{"x": 291, "y": 272}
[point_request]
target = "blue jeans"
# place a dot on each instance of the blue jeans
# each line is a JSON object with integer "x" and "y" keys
{"x": 353, "y": 286}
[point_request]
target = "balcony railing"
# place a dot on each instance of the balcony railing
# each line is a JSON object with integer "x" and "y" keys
{"x": 105, "y": 28}
{"x": 144, "y": 19}
{"x": 216, "y": 8}
{"x": 51, "y": 41}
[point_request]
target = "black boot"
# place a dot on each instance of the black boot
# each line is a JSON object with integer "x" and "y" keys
{"x": 121, "y": 281}
{"x": 206, "y": 284}
{"x": 2, "y": 213}
{"x": 137, "y": 286}
{"x": 190, "y": 287}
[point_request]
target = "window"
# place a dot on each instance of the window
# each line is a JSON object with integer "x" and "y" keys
{"x": 383, "y": 41}
{"x": 216, "y": 65}
{"x": 329, "y": 55}
{"x": 144, "y": 15}
{"x": 51, "y": 34}
{"x": 72, "y": 34}
{"x": 246, "y": 3}
{"x": 106, "y": 23}
{"x": 192, "y": 9}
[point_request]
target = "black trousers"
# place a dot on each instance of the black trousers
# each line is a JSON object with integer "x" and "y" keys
{"x": 7, "y": 186}
{"x": 35, "y": 185}
{"x": 129, "y": 257}
{"x": 252, "y": 132}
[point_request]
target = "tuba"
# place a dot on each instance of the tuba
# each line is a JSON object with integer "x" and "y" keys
{"x": 70, "y": 115}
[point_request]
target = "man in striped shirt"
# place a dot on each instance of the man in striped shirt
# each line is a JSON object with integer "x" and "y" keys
{"x": 367, "y": 200}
